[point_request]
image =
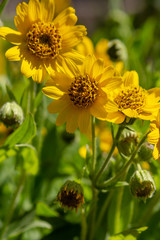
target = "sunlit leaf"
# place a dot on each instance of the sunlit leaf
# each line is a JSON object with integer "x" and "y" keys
{"x": 44, "y": 210}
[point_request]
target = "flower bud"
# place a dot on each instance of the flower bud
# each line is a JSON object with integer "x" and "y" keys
{"x": 71, "y": 195}
{"x": 117, "y": 50}
{"x": 11, "y": 114}
{"x": 127, "y": 143}
{"x": 146, "y": 150}
{"x": 142, "y": 184}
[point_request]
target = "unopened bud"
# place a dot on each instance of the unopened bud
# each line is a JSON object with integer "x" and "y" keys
{"x": 11, "y": 114}
{"x": 117, "y": 50}
{"x": 128, "y": 143}
{"x": 71, "y": 195}
{"x": 142, "y": 184}
{"x": 146, "y": 150}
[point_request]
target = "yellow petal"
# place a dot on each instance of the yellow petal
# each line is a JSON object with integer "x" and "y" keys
{"x": 84, "y": 122}
{"x": 72, "y": 121}
{"x": 61, "y": 5}
{"x": 156, "y": 151}
{"x": 21, "y": 20}
{"x": 88, "y": 63}
{"x": 62, "y": 117}
{"x": 56, "y": 106}
{"x": 52, "y": 92}
{"x": 34, "y": 10}
{"x": 97, "y": 69}
{"x": 13, "y": 54}
{"x": 86, "y": 46}
{"x": 111, "y": 84}
{"x": 47, "y": 10}
{"x": 116, "y": 117}
{"x": 61, "y": 80}
{"x": 66, "y": 17}
{"x": 101, "y": 47}
{"x": 111, "y": 106}
{"x": 98, "y": 110}
{"x": 130, "y": 113}
{"x": 153, "y": 136}
{"x": 11, "y": 35}
{"x": 131, "y": 78}
{"x": 26, "y": 68}
{"x": 39, "y": 74}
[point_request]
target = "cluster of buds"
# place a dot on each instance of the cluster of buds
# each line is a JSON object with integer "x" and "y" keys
{"x": 71, "y": 195}
{"x": 11, "y": 114}
{"x": 142, "y": 184}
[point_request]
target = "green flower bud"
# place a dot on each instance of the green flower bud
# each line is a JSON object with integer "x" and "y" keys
{"x": 145, "y": 151}
{"x": 127, "y": 143}
{"x": 142, "y": 184}
{"x": 11, "y": 114}
{"x": 71, "y": 195}
{"x": 117, "y": 50}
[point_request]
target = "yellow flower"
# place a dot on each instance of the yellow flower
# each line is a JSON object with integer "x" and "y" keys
{"x": 80, "y": 94}
{"x": 154, "y": 136}
{"x": 44, "y": 43}
{"x": 100, "y": 51}
{"x": 131, "y": 100}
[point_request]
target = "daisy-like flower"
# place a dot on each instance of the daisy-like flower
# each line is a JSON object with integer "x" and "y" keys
{"x": 154, "y": 136}
{"x": 78, "y": 95}
{"x": 44, "y": 43}
{"x": 131, "y": 100}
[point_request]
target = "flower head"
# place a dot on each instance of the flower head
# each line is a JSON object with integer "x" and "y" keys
{"x": 78, "y": 95}
{"x": 154, "y": 136}
{"x": 71, "y": 195}
{"x": 43, "y": 42}
{"x": 131, "y": 100}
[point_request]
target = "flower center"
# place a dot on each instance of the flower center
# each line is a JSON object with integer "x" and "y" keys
{"x": 83, "y": 91}
{"x": 131, "y": 97}
{"x": 44, "y": 40}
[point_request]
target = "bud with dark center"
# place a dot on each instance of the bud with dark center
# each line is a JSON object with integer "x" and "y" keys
{"x": 117, "y": 50}
{"x": 71, "y": 195}
{"x": 142, "y": 184}
{"x": 11, "y": 114}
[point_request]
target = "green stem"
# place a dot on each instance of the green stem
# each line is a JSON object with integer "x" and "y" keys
{"x": 83, "y": 225}
{"x": 125, "y": 168}
{"x": 93, "y": 211}
{"x": 103, "y": 210}
{"x": 93, "y": 146}
{"x": 13, "y": 204}
{"x": 2, "y": 5}
{"x": 115, "y": 140}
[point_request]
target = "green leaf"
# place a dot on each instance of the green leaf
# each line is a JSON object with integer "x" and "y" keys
{"x": 30, "y": 160}
{"x": 10, "y": 94}
{"x": 44, "y": 210}
{"x": 23, "y": 134}
{"x": 130, "y": 234}
{"x": 5, "y": 153}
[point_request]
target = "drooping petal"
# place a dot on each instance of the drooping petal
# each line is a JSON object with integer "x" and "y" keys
{"x": 63, "y": 115}
{"x": 156, "y": 151}
{"x": 98, "y": 110}
{"x": 153, "y": 136}
{"x": 11, "y": 35}
{"x": 39, "y": 74}
{"x": 84, "y": 121}
{"x": 66, "y": 17}
{"x": 34, "y": 12}
{"x": 56, "y": 106}
{"x": 13, "y": 54}
{"x": 26, "y": 68}
{"x": 61, "y": 80}
{"x": 72, "y": 121}
{"x": 131, "y": 78}
{"x": 47, "y": 10}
